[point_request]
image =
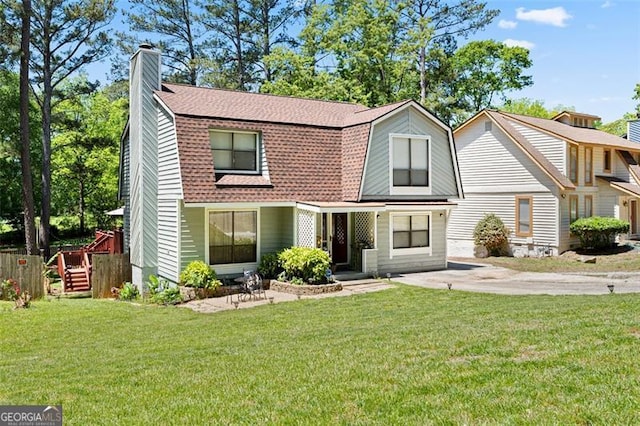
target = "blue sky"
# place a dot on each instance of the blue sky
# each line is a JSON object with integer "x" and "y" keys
{"x": 586, "y": 53}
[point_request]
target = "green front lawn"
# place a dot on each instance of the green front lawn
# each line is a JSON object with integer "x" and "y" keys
{"x": 401, "y": 356}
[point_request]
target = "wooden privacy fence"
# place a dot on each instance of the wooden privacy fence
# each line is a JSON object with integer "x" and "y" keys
{"x": 108, "y": 270}
{"x": 26, "y": 270}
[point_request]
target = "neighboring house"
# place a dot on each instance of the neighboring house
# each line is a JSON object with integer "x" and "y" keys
{"x": 225, "y": 177}
{"x": 538, "y": 176}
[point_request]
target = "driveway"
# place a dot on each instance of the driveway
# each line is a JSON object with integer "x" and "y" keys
{"x": 492, "y": 279}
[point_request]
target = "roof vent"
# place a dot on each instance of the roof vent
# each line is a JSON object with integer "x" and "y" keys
{"x": 487, "y": 126}
{"x": 146, "y": 46}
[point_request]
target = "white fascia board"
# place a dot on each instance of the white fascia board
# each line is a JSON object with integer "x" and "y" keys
{"x": 240, "y": 205}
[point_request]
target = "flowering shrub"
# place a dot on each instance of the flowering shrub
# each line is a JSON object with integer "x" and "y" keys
{"x": 10, "y": 289}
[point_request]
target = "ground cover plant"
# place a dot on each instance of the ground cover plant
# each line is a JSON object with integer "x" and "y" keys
{"x": 401, "y": 356}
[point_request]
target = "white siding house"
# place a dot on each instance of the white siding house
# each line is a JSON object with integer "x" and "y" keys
{"x": 538, "y": 175}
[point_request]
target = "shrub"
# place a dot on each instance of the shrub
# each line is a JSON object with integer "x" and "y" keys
{"x": 128, "y": 292}
{"x": 269, "y": 265}
{"x": 200, "y": 275}
{"x": 306, "y": 263}
{"x": 162, "y": 292}
{"x": 598, "y": 232}
{"x": 491, "y": 233}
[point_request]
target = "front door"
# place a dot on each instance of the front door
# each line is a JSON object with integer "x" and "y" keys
{"x": 339, "y": 241}
{"x": 633, "y": 217}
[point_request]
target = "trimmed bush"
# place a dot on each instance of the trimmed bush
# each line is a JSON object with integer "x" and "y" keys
{"x": 598, "y": 232}
{"x": 491, "y": 233}
{"x": 305, "y": 263}
{"x": 269, "y": 265}
{"x": 199, "y": 275}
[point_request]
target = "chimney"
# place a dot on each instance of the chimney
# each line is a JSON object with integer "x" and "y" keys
{"x": 633, "y": 130}
{"x": 144, "y": 79}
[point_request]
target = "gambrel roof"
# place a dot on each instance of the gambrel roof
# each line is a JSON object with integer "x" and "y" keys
{"x": 315, "y": 150}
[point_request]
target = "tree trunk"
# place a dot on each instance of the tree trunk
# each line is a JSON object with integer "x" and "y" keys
{"x": 25, "y": 153}
{"x": 45, "y": 215}
{"x": 423, "y": 75}
{"x": 81, "y": 207}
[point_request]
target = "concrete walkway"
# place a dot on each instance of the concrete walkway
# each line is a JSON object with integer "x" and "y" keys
{"x": 491, "y": 279}
{"x": 216, "y": 304}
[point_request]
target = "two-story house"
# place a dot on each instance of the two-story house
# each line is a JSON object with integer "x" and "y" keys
{"x": 225, "y": 177}
{"x": 538, "y": 175}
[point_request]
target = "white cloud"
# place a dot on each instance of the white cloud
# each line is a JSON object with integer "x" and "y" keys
{"x": 507, "y": 25}
{"x": 556, "y": 16}
{"x": 520, "y": 43}
{"x": 606, "y": 4}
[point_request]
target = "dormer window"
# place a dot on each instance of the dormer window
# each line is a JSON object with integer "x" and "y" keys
{"x": 410, "y": 164}
{"x": 234, "y": 152}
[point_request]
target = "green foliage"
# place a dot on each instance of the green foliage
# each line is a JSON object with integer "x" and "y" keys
{"x": 269, "y": 266}
{"x": 526, "y": 106}
{"x": 306, "y": 263}
{"x": 488, "y": 69}
{"x": 162, "y": 292}
{"x": 598, "y": 232}
{"x": 200, "y": 275}
{"x": 491, "y": 232}
{"x": 128, "y": 292}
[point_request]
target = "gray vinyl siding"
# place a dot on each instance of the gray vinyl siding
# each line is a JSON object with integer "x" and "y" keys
{"x": 144, "y": 159}
{"x": 276, "y": 229}
{"x": 409, "y": 121}
{"x": 192, "y": 232}
{"x": 169, "y": 181}
{"x": 125, "y": 194}
{"x": 552, "y": 148}
{"x": 606, "y": 203}
{"x": 168, "y": 234}
{"x": 633, "y": 130}
{"x": 420, "y": 262}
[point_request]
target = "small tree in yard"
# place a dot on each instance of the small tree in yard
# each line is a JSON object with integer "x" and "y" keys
{"x": 491, "y": 233}
{"x": 598, "y": 232}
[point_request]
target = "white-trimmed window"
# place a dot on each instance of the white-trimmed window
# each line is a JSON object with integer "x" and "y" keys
{"x": 410, "y": 164}
{"x": 234, "y": 152}
{"x": 233, "y": 237}
{"x": 573, "y": 164}
{"x": 410, "y": 233}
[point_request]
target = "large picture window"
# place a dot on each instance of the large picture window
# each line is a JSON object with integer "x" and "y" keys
{"x": 232, "y": 237}
{"x": 234, "y": 151}
{"x": 524, "y": 216}
{"x": 410, "y": 233}
{"x": 410, "y": 164}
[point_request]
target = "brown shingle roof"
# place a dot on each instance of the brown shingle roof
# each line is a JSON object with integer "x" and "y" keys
{"x": 573, "y": 134}
{"x": 228, "y": 104}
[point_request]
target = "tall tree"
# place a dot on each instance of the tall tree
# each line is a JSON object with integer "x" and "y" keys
{"x": 526, "y": 106}
{"x": 233, "y": 59}
{"x": 85, "y": 154}
{"x": 435, "y": 23}
{"x": 25, "y": 141}
{"x": 67, "y": 34}
{"x": 488, "y": 69}
{"x": 636, "y": 96}
{"x": 174, "y": 27}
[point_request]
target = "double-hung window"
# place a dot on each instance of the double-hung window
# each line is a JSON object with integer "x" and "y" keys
{"x": 234, "y": 152}
{"x": 410, "y": 164}
{"x": 410, "y": 233}
{"x": 232, "y": 237}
